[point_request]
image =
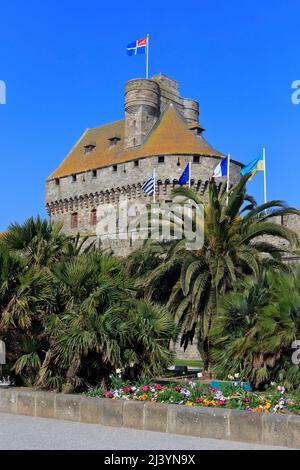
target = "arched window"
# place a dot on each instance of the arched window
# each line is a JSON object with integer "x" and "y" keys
{"x": 74, "y": 220}
{"x": 94, "y": 217}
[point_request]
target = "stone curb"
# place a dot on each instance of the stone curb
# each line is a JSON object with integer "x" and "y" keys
{"x": 234, "y": 425}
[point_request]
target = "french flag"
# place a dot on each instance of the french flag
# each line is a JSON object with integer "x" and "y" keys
{"x": 137, "y": 47}
{"x": 221, "y": 169}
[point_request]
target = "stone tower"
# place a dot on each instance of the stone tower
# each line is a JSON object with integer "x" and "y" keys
{"x": 146, "y": 100}
{"x": 109, "y": 163}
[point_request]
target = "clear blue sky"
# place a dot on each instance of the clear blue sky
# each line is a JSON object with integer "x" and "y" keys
{"x": 65, "y": 65}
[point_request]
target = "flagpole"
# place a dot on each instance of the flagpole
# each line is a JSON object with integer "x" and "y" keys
{"x": 228, "y": 177}
{"x": 190, "y": 173}
{"x": 265, "y": 175}
{"x": 147, "y": 57}
{"x": 154, "y": 178}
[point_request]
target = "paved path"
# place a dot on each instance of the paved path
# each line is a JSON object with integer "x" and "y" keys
{"x": 22, "y": 432}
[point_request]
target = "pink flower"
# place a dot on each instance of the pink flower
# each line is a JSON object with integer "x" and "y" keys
{"x": 177, "y": 388}
{"x": 246, "y": 399}
{"x": 221, "y": 402}
{"x": 145, "y": 388}
{"x": 127, "y": 389}
{"x": 109, "y": 394}
{"x": 158, "y": 386}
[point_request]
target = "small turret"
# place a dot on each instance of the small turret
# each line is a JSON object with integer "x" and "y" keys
{"x": 142, "y": 109}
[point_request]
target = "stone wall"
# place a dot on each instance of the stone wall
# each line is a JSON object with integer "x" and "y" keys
{"x": 110, "y": 186}
{"x": 203, "y": 422}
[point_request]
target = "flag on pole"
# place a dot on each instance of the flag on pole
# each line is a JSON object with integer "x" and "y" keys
{"x": 186, "y": 175}
{"x": 137, "y": 47}
{"x": 253, "y": 167}
{"x": 221, "y": 169}
{"x": 149, "y": 185}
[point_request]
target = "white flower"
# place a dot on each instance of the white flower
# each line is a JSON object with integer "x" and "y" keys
{"x": 185, "y": 392}
{"x": 230, "y": 377}
{"x": 236, "y": 376}
{"x": 118, "y": 371}
{"x": 199, "y": 375}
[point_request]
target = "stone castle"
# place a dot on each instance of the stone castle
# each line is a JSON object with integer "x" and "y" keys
{"x": 160, "y": 130}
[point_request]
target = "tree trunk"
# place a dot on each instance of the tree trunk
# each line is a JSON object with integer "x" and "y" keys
{"x": 71, "y": 374}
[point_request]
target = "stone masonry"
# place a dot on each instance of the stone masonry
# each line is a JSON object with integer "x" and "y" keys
{"x": 161, "y": 130}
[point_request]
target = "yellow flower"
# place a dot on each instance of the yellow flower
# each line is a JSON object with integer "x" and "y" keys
{"x": 189, "y": 403}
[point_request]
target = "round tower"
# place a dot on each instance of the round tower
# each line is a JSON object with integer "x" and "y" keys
{"x": 142, "y": 107}
{"x": 191, "y": 110}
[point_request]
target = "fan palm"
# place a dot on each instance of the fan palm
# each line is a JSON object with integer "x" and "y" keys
{"x": 101, "y": 326}
{"x": 39, "y": 241}
{"x": 256, "y": 326}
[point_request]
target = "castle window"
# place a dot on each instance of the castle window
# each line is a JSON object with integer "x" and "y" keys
{"x": 115, "y": 167}
{"x": 161, "y": 159}
{"x": 74, "y": 178}
{"x": 57, "y": 181}
{"x": 74, "y": 220}
{"x": 196, "y": 159}
{"x": 136, "y": 162}
{"x": 88, "y": 148}
{"x": 94, "y": 173}
{"x": 94, "y": 217}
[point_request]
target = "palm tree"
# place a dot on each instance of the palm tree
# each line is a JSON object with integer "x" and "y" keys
{"x": 99, "y": 326}
{"x": 239, "y": 238}
{"x": 26, "y": 296}
{"x": 41, "y": 242}
{"x": 255, "y": 327}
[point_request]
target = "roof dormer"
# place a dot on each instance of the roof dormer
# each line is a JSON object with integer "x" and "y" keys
{"x": 88, "y": 148}
{"x": 114, "y": 140}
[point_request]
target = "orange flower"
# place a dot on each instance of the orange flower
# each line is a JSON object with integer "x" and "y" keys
{"x": 143, "y": 397}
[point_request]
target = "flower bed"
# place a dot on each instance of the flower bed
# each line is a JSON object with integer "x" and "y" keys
{"x": 273, "y": 400}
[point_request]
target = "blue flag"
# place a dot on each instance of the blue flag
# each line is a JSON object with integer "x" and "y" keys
{"x": 185, "y": 177}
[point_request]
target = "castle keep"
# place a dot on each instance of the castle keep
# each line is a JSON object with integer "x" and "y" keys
{"x": 109, "y": 163}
